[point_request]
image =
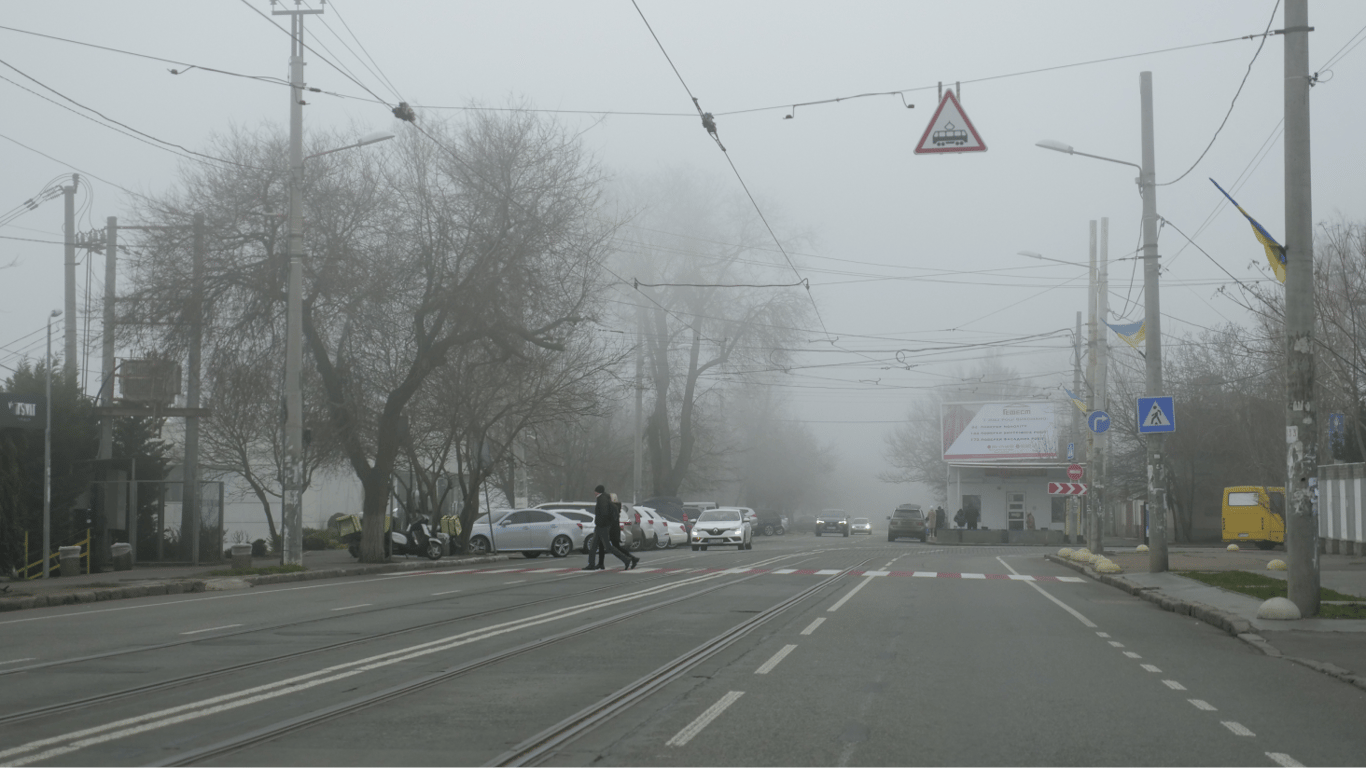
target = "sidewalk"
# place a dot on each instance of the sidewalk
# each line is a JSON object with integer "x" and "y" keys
{"x": 149, "y": 579}
{"x": 1336, "y": 647}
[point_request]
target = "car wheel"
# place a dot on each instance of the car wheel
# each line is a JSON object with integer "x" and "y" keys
{"x": 433, "y": 549}
{"x": 1266, "y": 545}
{"x": 890, "y": 537}
{"x": 588, "y": 542}
{"x": 561, "y": 546}
{"x": 749, "y": 545}
{"x": 635, "y": 544}
{"x": 781, "y": 530}
{"x": 846, "y": 534}
{"x": 768, "y": 530}
{"x": 704, "y": 547}
{"x": 479, "y": 545}
{"x": 655, "y": 545}
{"x": 694, "y": 547}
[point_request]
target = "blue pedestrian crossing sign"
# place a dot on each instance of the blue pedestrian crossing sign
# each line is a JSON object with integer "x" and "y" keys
{"x": 1156, "y": 414}
{"x": 1098, "y": 421}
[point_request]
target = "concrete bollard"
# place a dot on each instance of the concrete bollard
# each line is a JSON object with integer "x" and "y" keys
{"x": 241, "y": 557}
{"x": 70, "y": 560}
{"x": 122, "y": 555}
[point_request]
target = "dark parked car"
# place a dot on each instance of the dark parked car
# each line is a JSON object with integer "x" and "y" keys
{"x": 832, "y": 521}
{"x": 908, "y": 521}
{"x": 772, "y": 522}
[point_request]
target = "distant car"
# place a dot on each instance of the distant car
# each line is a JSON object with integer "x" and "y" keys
{"x": 533, "y": 532}
{"x": 722, "y": 527}
{"x": 832, "y": 521}
{"x": 908, "y": 521}
{"x": 749, "y": 516}
{"x": 861, "y": 525}
{"x": 678, "y": 533}
{"x": 655, "y": 528}
{"x": 581, "y": 516}
{"x": 772, "y": 523}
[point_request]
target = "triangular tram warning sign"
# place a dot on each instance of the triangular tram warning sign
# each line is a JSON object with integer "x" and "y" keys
{"x": 1156, "y": 417}
{"x": 950, "y": 130}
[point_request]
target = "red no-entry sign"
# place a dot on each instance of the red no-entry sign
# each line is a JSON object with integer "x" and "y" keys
{"x": 1075, "y": 472}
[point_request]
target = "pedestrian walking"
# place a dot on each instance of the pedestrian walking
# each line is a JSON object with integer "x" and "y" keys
{"x": 973, "y": 515}
{"x": 940, "y": 520}
{"x": 959, "y": 518}
{"x": 930, "y": 520}
{"x": 1029, "y": 521}
{"x": 606, "y": 517}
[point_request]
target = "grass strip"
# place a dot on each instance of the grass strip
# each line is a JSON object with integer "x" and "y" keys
{"x": 1259, "y": 586}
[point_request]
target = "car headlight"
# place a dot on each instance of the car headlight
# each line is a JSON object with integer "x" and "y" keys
{"x": 736, "y": 532}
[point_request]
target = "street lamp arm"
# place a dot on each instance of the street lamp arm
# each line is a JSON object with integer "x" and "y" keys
{"x": 373, "y": 138}
{"x": 1058, "y": 146}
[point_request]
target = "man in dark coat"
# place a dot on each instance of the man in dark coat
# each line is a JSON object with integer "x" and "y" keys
{"x": 606, "y": 517}
{"x": 973, "y": 515}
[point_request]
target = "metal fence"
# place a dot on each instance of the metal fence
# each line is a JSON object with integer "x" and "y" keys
{"x": 1340, "y": 507}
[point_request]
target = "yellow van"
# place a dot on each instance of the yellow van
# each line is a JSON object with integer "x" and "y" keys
{"x": 1254, "y": 513}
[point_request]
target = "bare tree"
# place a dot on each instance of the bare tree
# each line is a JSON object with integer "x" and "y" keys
{"x": 479, "y": 233}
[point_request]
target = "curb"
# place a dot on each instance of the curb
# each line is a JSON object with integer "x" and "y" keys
{"x": 183, "y": 586}
{"x": 1234, "y": 625}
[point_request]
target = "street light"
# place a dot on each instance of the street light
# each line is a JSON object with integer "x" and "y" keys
{"x": 292, "y": 519}
{"x": 1152, "y": 316}
{"x": 47, "y": 456}
{"x": 1034, "y": 255}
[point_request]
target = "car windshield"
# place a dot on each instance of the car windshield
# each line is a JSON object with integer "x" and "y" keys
{"x": 720, "y": 516}
{"x": 860, "y": 521}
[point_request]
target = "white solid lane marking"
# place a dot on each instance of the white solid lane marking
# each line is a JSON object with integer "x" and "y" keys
{"x": 1282, "y": 758}
{"x": 210, "y": 629}
{"x": 447, "y": 592}
{"x": 1075, "y": 613}
{"x": 519, "y": 581}
{"x": 1132, "y": 655}
{"x": 349, "y": 607}
{"x": 809, "y": 629}
{"x": 1238, "y": 728}
{"x": 1103, "y": 634}
{"x": 1175, "y": 686}
{"x": 1150, "y": 668}
{"x": 1202, "y": 704}
{"x": 773, "y": 661}
{"x": 848, "y": 595}
{"x": 31, "y": 658}
{"x": 1116, "y": 644}
{"x": 695, "y": 727}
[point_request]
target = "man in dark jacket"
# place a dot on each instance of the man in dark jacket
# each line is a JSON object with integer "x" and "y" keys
{"x": 606, "y": 517}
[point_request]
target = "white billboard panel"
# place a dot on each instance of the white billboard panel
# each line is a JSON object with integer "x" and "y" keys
{"x": 999, "y": 431}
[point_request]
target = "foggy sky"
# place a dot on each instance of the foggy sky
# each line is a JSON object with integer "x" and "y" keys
{"x": 902, "y": 251}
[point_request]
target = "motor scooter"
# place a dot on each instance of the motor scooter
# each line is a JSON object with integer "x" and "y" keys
{"x": 419, "y": 539}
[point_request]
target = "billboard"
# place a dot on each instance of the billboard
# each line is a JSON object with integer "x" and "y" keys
{"x": 999, "y": 431}
{"x": 23, "y": 412}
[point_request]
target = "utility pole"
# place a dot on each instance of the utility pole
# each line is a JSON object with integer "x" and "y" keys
{"x": 1088, "y": 504}
{"x": 106, "y": 395}
{"x": 47, "y": 457}
{"x": 1301, "y": 416}
{"x": 1152, "y": 323}
{"x": 640, "y": 406}
{"x": 1097, "y": 467}
{"x": 1073, "y": 502}
{"x": 69, "y": 364}
{"x": 190, "y": 508}
{"x": 291, "y": 514}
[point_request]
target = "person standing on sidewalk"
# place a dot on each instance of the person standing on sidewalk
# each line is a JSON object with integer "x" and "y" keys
{"x": 605, "y": 518}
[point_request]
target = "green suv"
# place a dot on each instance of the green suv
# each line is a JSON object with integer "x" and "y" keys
{"x": 908, "y": 521}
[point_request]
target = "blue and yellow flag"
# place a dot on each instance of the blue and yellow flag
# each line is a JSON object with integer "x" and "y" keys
{"x": 1075, "y": 400}
{"x": 1132, "y": 333}
{"x": 1275, "y": 253}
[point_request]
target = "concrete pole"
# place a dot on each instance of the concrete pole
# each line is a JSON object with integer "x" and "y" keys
{"x": 1076, "y": 429}
{"x": 1087, "y": 503}
{"x": 291, "y": 523}
{"x": 100, "y": 547}
{"x": 1152, "y": 320}
{"x": 1097, "y": 468}
{"x": 69, "y": 364}
{"x": 190, "y": 512}
{"x": 1301, "y": 416}
{"x": 47, "y": 459}
{"x": 640, "y": 407}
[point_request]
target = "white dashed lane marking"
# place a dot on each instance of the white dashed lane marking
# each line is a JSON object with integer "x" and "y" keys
{"x": 1132, "y": 655}
{"x": 848, "y": 595}
{"x": 1202, "y": 704}
{"x": 1102, "y": 634}
{"x": 349, "y": 607}
{"x": 1150, "y": 668}
{"x": 809, "y": 629}
{"x": 773, "y": 661}
{"x": 210, "y": 629}
{"x": 447, "y": 592}
{"x": 1238, "y": 728}
{"x": 31, "y": 658}
{"x": 1282, "y": 758}
{"x": 1175, "y": 686}
{"x": 695, "y": 727}
{"x": 1116, "y": 644}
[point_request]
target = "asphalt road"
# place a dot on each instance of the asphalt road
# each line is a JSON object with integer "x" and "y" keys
{"x": 802, "y": 651}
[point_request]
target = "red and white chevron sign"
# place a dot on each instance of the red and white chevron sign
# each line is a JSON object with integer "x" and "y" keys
{"x": 1067, "y": 489}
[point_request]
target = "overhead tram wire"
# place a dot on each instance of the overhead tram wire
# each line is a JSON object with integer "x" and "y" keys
{"x": 1234, "y": 101}
{"x": 376, "y": 71}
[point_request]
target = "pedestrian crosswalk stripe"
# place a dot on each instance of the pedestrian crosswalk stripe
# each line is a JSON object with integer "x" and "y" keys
{"x": 791, "y": 572}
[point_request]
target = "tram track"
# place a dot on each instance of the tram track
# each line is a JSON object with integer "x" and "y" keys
{"x": 543, "y": 743}
{"x": 163, "y": 685}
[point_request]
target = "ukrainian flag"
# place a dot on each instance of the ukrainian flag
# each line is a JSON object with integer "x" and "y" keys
{"x": 1075, "y": 400}
{"x": 1132, "y": 333}
{"x": 1275, "y": 253}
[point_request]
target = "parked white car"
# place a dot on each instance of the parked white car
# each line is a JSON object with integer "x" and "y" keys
{"x": 532, "y": 532}
{"x": 678, "y": 533}
{"x": 656, "y": 529}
